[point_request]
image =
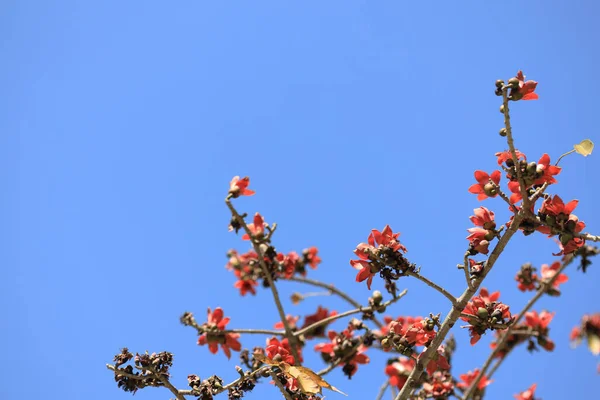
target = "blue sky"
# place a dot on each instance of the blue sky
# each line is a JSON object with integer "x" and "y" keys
{"x": 122, "y": 123}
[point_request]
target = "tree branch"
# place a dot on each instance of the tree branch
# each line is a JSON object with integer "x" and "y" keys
{"x": 432, "y": 285}
{"x": 457, "y": 309}
{"x": 267, "y": 274}
{"x": 544, "y": 285}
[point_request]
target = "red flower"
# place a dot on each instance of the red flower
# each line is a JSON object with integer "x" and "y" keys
{"x": 440, "y": 386}
{"x": 548, "y": 171}
{"x": 239, "y": 187}
{"x": 417, "y": 332}
{"x": 399, "y": 370}
{"x": 483, "y": 188}
{"x": 515, "y": 189}
{"x": 484, "y": 218}
{"x": 479, "y": 239}
{"x": 487, "y": 297}
{"x": 548, "y": 273}
{"x": 216, "y": 322}
{"x": 469, "y": 377}
{"x": 438, "y": 361}
{"x": 245, "y": 285}
{"x": 283, "y": 349}
{"x": 484, "y": 312}
{"x": 386, "y": 238}
{"x": 525, "y": 90}
{"x": 291, "y": 320}
{"x": 538, "y": 321}
{"x": 366, "y": 272}
{"x": 311, "y": 258}
{"x": 528, "y": 394}
{"x": 555, "y": 206}
{"x": 506, "y": 155}
{"x": 257, "y": 228}
{"x": 289, "y": 263}
{"x": 319, "y": 315}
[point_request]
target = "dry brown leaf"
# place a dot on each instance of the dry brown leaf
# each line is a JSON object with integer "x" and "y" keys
{"x": 308, "y": 380}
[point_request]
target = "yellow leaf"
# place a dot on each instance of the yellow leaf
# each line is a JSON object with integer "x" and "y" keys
{"x": 264, "y": 359}
{"x": 594, "y": 344}
{"x": 308, "y": 380}
{"x": 585, "y": 147}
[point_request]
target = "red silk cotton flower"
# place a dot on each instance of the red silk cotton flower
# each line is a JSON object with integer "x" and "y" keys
{"x": 239, "y": 187}
{"x": 211, "y": 336}
{"x": 525, "y": 90}
{"x": 469, "y": 377}
{"x": 281, "y": 349}
{"x": 484, "y": 188}
{"x": 257, "y": 227}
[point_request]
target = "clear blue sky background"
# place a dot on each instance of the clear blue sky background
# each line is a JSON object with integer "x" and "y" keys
{"x": 122, "y": 122}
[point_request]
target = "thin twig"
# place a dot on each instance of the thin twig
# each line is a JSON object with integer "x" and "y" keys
{"x": 382, "y": 390}
{"x": 168, "y": 385}
{"x": 251, "y": 331}
{"x": 332, "y": 318}
{"x": 232, "y": 384}
{"x": 502, "y": 340}
{"x": 511, "y": 147}
{"x": 335, "y": 291}
{"x": 432, "y": 285}
{"x": 154, "y": 374}
{"x": 267, "y": 274}
{"x": 467, "y": 268}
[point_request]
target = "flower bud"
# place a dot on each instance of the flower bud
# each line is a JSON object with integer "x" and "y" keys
{"x": 513, "y": 83}
{"x": 489, "y": 189}
{"x": 551, "y": 220}
{"x": 296, "y": 298}
{"x": 489, "y": 236}
{"x": 385, "y": 343}
{"x": 531, "y": 168}
{"x": 482, "y": 313}
{"x": 502, "y": 109}
{"x": 570, "y": 226}
{"x": 565, "y": 238}
{"x": 377, "y": 297}
{"x": 503, "y": 132}
{"x": 499, "y": 83}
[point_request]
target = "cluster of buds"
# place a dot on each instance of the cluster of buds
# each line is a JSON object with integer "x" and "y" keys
{"x": 383, "y": 254}
{"x": 558, "y": 218}
{"x": 404, "y": 334}
{"x": 344, "y": 349}
{"x": 533, "y": 329}
{"x": 205, "y": 389}
{"x": 519, "y": 88}
{"x": 150, "y": 368}
{"x": 483, "y": 312}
